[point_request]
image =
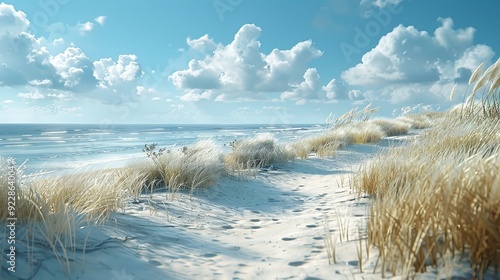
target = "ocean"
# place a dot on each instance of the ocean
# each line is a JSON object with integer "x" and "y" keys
{"x": 49, "y": 148}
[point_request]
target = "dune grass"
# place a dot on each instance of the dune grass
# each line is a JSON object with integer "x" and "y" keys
{"x": 51, "y": 210}
{"x": 260, "y": 151}
{"x": 440, "y": 195}
{"x": 189, "y": 168}
{"x": 358, "y": 129}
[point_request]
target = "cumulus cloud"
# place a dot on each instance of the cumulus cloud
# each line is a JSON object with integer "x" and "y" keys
{"x": 141, "y": 90}
{"x": 74, "y": 68}
{"x": 22, "y": 59}
{"x": 240, "y": 71}
{"x": 26, "y": 61}
{"x": 306, "y": 90}
{"x": 111, "y": 73}
{"x": 336, "y": 89}
{"x": 203, "y": 44}
{"x": 12, "y": 22}
{"x": 407, "y": 55}
{"x": 410, "y": 66}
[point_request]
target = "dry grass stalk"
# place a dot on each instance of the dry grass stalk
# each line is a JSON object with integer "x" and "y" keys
{"x": 438, "y": 196}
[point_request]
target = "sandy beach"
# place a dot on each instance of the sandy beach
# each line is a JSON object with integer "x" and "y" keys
{"x": 269, "y": 226}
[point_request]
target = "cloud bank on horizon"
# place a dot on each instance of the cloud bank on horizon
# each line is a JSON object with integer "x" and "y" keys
{"x": 44, "y": 78}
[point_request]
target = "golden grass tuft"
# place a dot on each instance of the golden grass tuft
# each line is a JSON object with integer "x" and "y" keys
{"x": 439, "y": 195}
{"x": 196, "y": 166}
{"x": 392, "y": 127}
{"x": 260, "y": 151}
{"x": 354, "y": 132}
{"x": 52, "y": 209}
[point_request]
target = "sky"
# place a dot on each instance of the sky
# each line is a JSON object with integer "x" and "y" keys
{"x": 237, "y": 61}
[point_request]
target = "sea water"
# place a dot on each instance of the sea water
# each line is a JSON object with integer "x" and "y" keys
{"x": 48, "y": 148}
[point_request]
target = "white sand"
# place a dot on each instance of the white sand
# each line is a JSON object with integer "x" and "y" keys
{"x": 268, "y": 227}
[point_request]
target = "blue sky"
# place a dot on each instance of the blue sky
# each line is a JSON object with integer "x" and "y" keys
{"x": 236, "y": 61}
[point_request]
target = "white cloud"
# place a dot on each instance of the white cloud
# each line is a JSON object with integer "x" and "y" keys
{"x": 74, "y": 68}
{"x": 100, "y": 20}
{"x": 336, "y": 89}
{"x": 197, "y": 95}
{"x": 203, "y": 44}
{"x": 8, "y": 101}
{"x": 111, "y": 73}
{"x": 306, "y": 90}
{"x": 25, "y": 61}
{"x": 356, "y": 94}
{"x": 12, "y": 22}
{"x": 407, "y": 57}
{"x": 60, "y": 96}
{"x": 85, "y": 27}
{"x": 22, "y": 59}
{"x": 58, "y": 41}
{"x": 31, "y": 95}
{"x": 239, "y": 71}
{"x": 141, "y": 91}
{"x": 156, "y": 98}
{"x": 40, "y": 83}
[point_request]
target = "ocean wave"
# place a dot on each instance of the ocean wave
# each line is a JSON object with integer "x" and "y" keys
{"x": 17, "y": 145}
{"x": 54, "y": 132}
{"x": 129, "y": 139}
{"x": 45, "y": 138}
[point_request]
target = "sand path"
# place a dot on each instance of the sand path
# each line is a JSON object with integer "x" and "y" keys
{"x": 272, "y": 226}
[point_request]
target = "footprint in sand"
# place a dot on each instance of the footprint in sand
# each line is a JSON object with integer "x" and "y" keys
{"x": 311, "y": 226}
{"x": 353, "y": 263}
{"x": 318, "y": 238}
{"x": 227, "y": 227}
{"x": 254, "y": 220}
{"x": 296, "y": 263}
{"x": 288, "y": 238}
{"x": 297, "y": 210}
{"x": 209, "y": 255}
{"x": 155, "y": 262}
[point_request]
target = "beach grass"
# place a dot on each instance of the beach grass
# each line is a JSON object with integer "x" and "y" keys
{"x": 412, "y": 186}
{"x": 188, "y": 168}
{"x": 439, "y": 196}
{"x": 260, "y": 151}
{"x": 357, "y": 130}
